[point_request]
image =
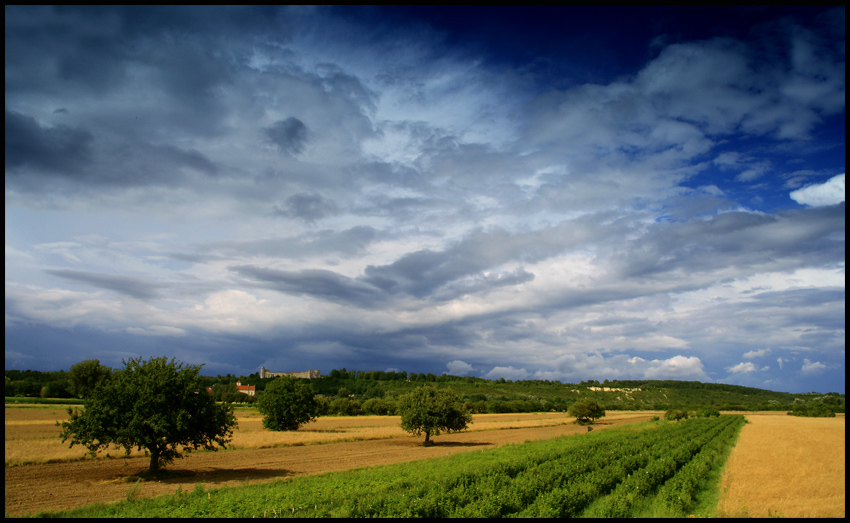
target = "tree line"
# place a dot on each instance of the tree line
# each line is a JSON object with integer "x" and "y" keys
{"x": 355, "y": 392}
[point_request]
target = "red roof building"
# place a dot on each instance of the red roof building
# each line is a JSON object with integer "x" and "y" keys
{"x": 246, "y": 389}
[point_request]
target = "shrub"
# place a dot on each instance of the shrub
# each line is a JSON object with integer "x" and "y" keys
{"x": 379, "y": 407}
{"x": 676, "y": 414}
{"x": 708, "y": 413}
{"x": 345, "y": 407}
{"x": 813, "y": 409}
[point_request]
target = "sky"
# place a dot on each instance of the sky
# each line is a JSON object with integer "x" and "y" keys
{"x": 522, "y": 193}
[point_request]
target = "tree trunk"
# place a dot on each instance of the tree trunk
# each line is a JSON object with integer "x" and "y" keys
{"x": 154, "y": 452}
{"x": 428, "y": 441}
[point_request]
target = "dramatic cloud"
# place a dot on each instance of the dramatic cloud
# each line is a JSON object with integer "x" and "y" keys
{"x": 590, "y": 194}
{"x": 288, "y": 135}
{"x": 132, "y": 287}
{"x": 308, "y": 207}
{"x": 54, "y": 149}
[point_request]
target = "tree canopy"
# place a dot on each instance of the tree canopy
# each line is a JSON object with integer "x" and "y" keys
{"x": 586, "y": 410}
{"x": 153, "y": 405}
{"x": 287, "y": 403}
{"x": 85, "y": 376}
{"x": 432, "y": 411}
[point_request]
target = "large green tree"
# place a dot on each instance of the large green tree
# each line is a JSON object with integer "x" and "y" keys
{"x": 432, "y": 411}
{"x": 287, "y": 403}
{"x": 155, "y": 405}
{"x": 586, "y": 410}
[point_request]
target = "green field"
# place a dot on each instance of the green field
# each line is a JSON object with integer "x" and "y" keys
{"x": 652, "y": 469}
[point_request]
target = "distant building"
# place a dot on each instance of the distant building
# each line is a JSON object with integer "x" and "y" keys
{"x": 307, "y": 375}
{"x": 246, "y": 389}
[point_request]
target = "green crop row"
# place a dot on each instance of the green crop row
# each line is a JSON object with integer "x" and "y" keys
{"x": 678, "y": 468}
{"x": 601, "y": 473}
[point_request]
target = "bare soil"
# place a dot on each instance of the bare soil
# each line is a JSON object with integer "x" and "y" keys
{"x": 55, "y": 486}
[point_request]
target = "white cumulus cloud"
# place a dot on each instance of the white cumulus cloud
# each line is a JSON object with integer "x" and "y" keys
{"x": 819, "y": 195}
{"x": 743, "y": 367}
{"x": 677, "y": 367}
{"x": 509, "y": 373}
{"x": 756, "y": 353}
{"x": 813, "y": 367}
{"x": 459, "y": 368}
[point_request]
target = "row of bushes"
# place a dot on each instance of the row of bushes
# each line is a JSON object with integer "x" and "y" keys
{"x": 813, "y": 409}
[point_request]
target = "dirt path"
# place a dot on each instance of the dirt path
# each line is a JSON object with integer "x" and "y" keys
{"x": 55, "y": 486}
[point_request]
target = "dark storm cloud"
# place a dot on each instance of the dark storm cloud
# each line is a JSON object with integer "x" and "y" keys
{"x": 326, "y": 242}
{"x": 318, "y": 283}
{"x": 288, "y": 135}
{"x": 422, "y": 272}
{"x": 186, "y": 157}
{"x": 49, "y": 47}
{"x": 132, "y": 287}
{"x": 92, "y": 47}
{"x": 308, "y": 207}
{"x": 59, "y": 149}
{"x": 68, "y": 152}
{"x": 440, "y": 275}
{"x": 820, "y": 310}
{"x": 779, "y": 242}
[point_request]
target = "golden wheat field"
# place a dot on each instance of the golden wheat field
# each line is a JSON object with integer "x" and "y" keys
{"x": 786, "y": 466}
{"x": 32, "y": 435}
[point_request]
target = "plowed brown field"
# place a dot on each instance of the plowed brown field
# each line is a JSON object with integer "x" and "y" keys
{"x": 54, "y": 486}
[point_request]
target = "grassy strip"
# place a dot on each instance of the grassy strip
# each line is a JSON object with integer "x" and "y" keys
{"x": 20, "y": 400}
{"x": 494, "y": 482}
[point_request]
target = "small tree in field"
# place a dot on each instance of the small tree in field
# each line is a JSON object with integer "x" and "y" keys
{"x": 586, "y": 410}
{"x": 155, "y": 405}
{"x": 287, "y": 403}
{"x": 432, "y": 411}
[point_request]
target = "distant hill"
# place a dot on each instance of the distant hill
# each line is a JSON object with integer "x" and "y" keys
{"x": 544, "y": 395}
{"x": 494, "y": 396}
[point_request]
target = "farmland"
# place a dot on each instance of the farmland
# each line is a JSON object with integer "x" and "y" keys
{"x": 330, "y": 444}
{"x": 33, "y": 437}
{"x": 339, "y": 444}
{"x": 786, "y": 466}
{"x": 616, "y": 473}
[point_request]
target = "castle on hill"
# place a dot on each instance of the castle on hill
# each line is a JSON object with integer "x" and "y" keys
{"x": 307, "y": 375}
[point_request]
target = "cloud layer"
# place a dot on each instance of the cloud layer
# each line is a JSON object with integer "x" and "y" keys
{"x": 380, "y": 188}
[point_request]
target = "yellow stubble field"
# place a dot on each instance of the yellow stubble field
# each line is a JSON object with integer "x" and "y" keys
{"x": 32, "y": 435}
{"x": 786, "y": 466}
